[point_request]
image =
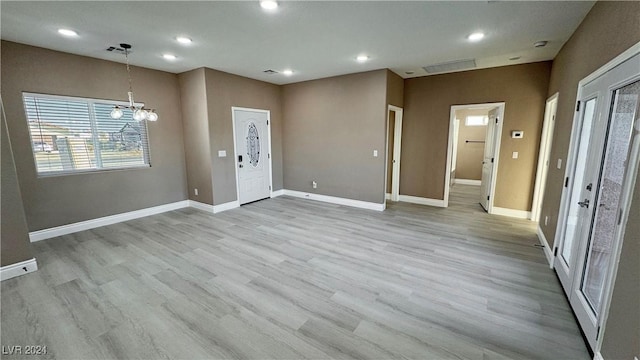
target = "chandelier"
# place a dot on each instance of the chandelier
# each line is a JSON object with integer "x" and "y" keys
{"x": 139, "y": 113}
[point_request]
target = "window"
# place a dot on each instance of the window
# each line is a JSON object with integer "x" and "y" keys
{"x": 71, "y": 135}
{"x": 476, "y": 120}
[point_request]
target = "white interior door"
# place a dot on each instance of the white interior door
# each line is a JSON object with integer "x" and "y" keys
{"x": 606, "y": 167}
{"x": 394, "y": 148}
{"x": 546, "y": 141}
{"x": 252, "y": 154}
{"x": 488, "y": 160}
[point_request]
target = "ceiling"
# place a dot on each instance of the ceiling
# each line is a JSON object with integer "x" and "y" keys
{"x": 315, "y": 39}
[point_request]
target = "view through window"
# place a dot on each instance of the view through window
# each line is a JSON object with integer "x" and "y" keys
{"x": 71, "y": 135}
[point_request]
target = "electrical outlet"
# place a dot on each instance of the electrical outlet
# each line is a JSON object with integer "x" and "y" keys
{"x": 314, "y": 184}
{"x": 514, "y": 155}
{"x": 375, "y": 153}
{"x": 195, "y": 191}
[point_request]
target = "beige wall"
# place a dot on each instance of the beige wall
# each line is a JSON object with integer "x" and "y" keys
{"x": 195, "y": 121}
{"x": 14, "y": 237}
{"x": 608, "y": 30}
{"x": 470, "y": 155}
{"x": 427, "y": 107}
{"x": 331, "y": 127}
{"x": 395, "y": 89}
{"x": 59, "y": 200}
{"x": 223, "y": 92}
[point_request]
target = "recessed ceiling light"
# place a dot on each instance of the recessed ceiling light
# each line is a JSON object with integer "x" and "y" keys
{"x": 409, "y": 72}
{"x": 514, "y": 58}
{"x": 269, "y": 4}
{"x": 540, "y": 43}
{"x": 184, "y": 40}
{"x": 169, "y": 56}
{"x": 288, "y": 72}
{"x": 67, "y": 32}
{"x": 362, "y": 58}
{"x": 475, "y": 36}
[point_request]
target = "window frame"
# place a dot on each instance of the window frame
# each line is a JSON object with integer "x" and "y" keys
{"x": 93, "y": 126}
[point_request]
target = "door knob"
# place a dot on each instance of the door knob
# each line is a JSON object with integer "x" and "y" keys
{"x": 584, "y": 204}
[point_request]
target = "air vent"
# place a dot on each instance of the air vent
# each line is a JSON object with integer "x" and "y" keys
{"x": 270, "y": 72}
{"x": 451, "y": 66}
{"x": 117, "y": 50}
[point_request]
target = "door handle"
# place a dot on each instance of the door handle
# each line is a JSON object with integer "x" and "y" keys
{"x": 584, "y": 204}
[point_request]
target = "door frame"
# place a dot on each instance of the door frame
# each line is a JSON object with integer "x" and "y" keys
{"x": 496, "y": 153}
{"x": 544, "y": 156}
{"x": 235, "y": 156}
{"x": 397, "y": 150}
{"x": 566, "y": 196}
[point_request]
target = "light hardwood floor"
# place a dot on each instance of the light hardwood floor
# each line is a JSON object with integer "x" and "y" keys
{"x": 288, "y": 278}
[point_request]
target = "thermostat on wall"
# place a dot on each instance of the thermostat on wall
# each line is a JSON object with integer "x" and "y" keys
{"x": 517, "y": 134}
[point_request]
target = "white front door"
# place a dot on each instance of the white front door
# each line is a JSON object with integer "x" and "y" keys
{"x": 599, "y": 195}
{"x": 251, "y": 131}
{"x": 488, "y": 159}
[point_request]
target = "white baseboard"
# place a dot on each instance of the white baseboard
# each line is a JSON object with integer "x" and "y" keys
{"x": 520, "y": 214}
{"x": 547, "y": 249}
{"x": 467, "y": 182}
{"x": 17, "y": 269}
{"x": 336, "y": 200}
{"x": 226, "y": 206}
{"x": 277, "y": 193}
{"x": 387, "y": 196}
{"x": 421, "y": 200}
{"x": 104, "y": 221}
{"x": 201, "y": 206}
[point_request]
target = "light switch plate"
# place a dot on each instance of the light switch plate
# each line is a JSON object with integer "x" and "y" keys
{"x": 559, "y": 165}
{"x": 375, "y": 153}
{"x": 514, "y": 155}
{"x": 222, "y": 153}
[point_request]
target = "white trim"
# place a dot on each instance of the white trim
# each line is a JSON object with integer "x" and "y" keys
{"x": 226, "y": 206}
{"x": 235, "y": 155}
{"x": 547, "y": 249}
{"x": 17, "y": 269}
{"x": 277, "y": 193}
{"x": 520, "y": 214}
{"x": 387, "y": 196}
{"x": 544, "y": 155}
{"x": 598, "y": 356}
{"x": 396, "y": 153}
{"x": 422, "y": 200}
{"x": 496, "y": 155}
{"x": 336, "y": 200}
{"x": 201, "y": 206}
{"x": 104, "y": 221}
{"x": 467, "y": 182}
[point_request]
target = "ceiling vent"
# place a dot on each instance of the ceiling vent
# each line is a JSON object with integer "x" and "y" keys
{"x": 270, "y": 72}
{"x": 451, "y": 66}
{"x": 117, "y": 50}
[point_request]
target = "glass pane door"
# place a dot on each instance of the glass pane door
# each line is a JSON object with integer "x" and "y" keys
{"x": 572, "y": 229}
{"x": 620, "y": 129}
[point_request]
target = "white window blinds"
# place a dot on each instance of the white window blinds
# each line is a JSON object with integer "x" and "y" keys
{"x": 70, "y": 135}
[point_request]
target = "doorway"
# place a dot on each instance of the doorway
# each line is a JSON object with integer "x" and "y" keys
{"x": 546, "y": 140}
{"x": 472, "y": 154}
{"x": 603, "y": 164}
{"x": 252, "y": 144}
{"x": 393, "y": 152}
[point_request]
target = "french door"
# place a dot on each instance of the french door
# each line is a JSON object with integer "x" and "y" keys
{"x": 605, "y": 148}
